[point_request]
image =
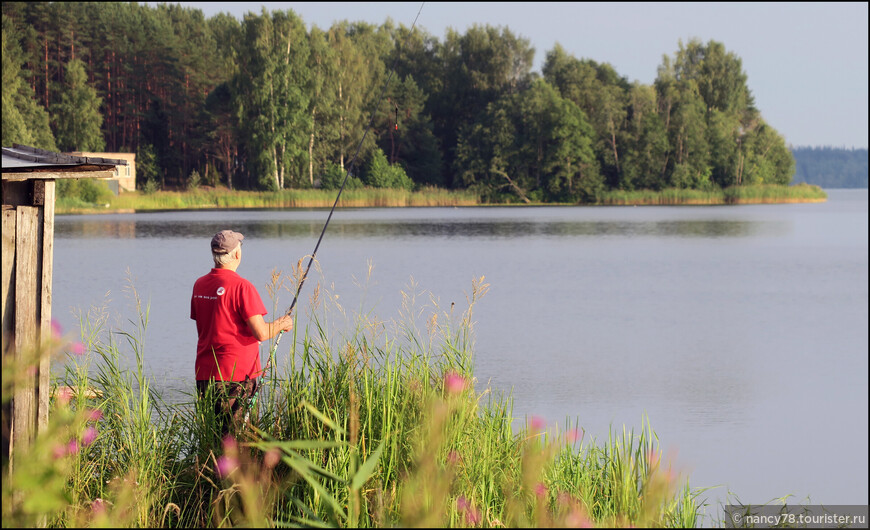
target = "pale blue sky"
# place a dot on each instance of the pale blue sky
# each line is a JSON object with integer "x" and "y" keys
{"x": 806, "y": 63}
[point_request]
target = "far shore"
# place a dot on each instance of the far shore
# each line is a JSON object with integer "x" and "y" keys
{"x": 222, "y": 198}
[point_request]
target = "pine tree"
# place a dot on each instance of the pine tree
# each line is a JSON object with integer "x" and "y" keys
{"x": 77, "y": 114}
{"x": 25, "y": 121}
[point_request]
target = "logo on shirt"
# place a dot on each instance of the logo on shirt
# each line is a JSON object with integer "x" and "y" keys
{"x": 221, "y": 291}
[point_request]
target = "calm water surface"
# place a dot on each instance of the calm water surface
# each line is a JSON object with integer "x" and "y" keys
{"x": 740, "y": 332}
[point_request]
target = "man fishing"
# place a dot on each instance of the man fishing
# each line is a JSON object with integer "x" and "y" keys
{"x": 229, "y": 313}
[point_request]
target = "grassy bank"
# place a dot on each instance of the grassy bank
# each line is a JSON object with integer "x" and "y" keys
{"x": 731, "y": 195}
{"x": 368, "y": 424}
{"x": 204, "y": 198}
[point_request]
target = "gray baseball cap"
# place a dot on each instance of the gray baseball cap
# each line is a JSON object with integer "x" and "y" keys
{"x": 225, "y": 241}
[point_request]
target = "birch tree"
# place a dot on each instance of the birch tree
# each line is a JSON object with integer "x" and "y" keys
{"x": 272, "y": 103}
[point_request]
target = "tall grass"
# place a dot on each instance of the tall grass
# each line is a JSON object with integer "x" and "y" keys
{"x": 367, "y": 423}
{"x": 205, "y": 198}
{"x": 664, "y": 197}
{"x": 802, "y": 192}
{"x": 731, "y": 195}
{"x": 202, "y": 198}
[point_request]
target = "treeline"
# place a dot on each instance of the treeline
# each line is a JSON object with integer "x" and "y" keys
{"x": 264, "y": 103}
{"x": 831, "y": 167}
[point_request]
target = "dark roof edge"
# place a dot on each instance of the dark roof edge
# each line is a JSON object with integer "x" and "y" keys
{"x": 35, "y": 154}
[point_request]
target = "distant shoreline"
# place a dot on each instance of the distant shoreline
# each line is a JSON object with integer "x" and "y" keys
{"x": 222, "y": 198}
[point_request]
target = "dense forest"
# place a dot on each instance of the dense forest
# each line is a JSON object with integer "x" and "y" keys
{"x": 264, "y": 104}
{"x": 831, "y": 167}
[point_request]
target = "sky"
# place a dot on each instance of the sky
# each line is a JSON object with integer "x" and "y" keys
{"x": 806, "y": 63}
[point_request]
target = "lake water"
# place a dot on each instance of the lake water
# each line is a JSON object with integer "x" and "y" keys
{"x": 740, "y": 332}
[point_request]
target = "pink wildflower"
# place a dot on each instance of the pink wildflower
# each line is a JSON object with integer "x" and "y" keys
{"x": 573, "y": 435}
{"x": 59, "y": 451}
{"x": 536, "y": 424}
{"x": 72, "y": 447}
{"x": 273, "y": 456}
{"x": 472, "y": 514}
{"x": 98, "y": 506}
{"x": 56, "y": 329}
{"x": 77, "y": 348}
{"x": 462, "y": 503}
{"x": 64, "y": 395}
{"x": 95, "y": 415}
{"x": 577, "y": 519}
{"x": 454, "y": 383}
{"x": 540, "y": 489}
{"x": 226, "y": 465}
{"x": 89, "y": 436}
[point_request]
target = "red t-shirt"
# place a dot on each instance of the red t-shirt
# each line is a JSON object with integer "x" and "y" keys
{"x": 221, "y": 304}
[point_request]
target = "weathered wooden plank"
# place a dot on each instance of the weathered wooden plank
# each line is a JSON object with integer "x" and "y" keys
{"x": 8, "y": 279}
{"x": 8, "y": 275}
{"x": 38, "y": 193}
{"x": 47, "y": 190}
{"x": 26, "y": 300}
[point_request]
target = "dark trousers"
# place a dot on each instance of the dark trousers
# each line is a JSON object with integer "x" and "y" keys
{"x": 231, "y": 401}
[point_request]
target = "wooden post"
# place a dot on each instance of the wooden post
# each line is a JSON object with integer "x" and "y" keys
{"x": 45, "y": 189}
{"x": 26, "y": 317}
{"x": 8, "y": 312}
{"x": 27, "y": 266}
{"x": 28, "y": 248}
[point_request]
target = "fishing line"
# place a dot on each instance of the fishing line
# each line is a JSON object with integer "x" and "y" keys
{"x": 337, "y": 197}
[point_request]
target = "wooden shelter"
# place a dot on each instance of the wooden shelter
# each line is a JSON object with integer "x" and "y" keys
{"x": 124, "y": 178}
{"x": 29, "y": 176}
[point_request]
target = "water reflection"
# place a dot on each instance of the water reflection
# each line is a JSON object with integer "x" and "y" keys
{"x": 265, "y": 228}
{"x": 109, "y": 229}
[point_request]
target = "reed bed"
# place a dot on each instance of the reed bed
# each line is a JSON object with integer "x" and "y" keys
{"x": 205, "y": 198}
{"x": 732, "y": 195}
{"x": 664, "y": 197}
{"x": 210, "y": 198}
{"x": 802, "y": 192}
{"x": 368, "y": 423}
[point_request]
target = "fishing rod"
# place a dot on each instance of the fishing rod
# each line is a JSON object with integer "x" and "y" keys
{"x": 274, "y": 348}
